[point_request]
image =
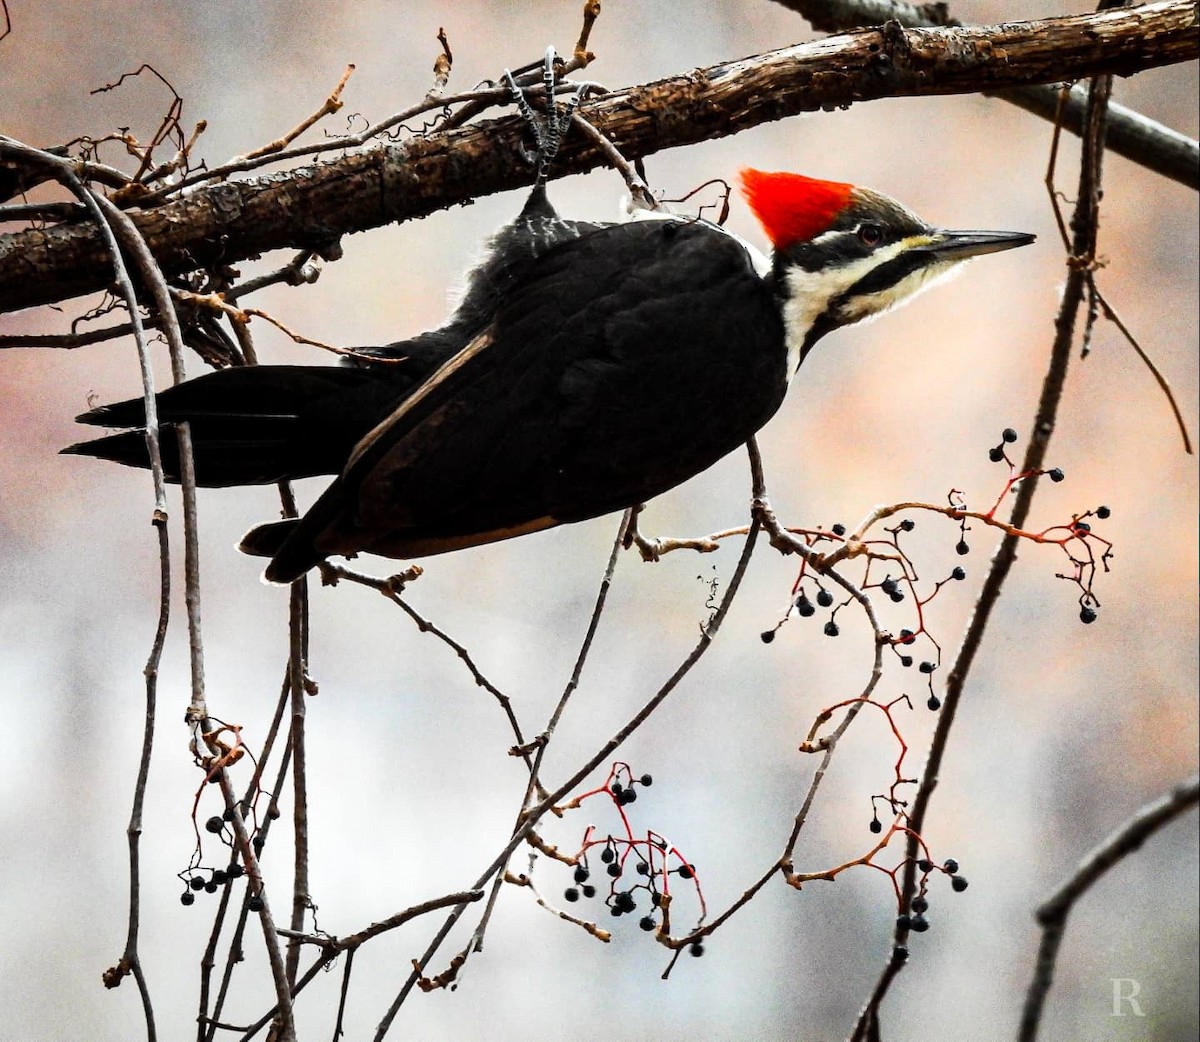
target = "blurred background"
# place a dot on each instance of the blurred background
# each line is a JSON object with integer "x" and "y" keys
{"x": 1065, "y": 730}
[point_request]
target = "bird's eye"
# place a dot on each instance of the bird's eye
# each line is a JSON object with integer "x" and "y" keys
{"x": 870, "y": 234}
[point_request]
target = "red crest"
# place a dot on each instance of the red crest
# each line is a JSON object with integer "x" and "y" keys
{"x": 791, "y": 207}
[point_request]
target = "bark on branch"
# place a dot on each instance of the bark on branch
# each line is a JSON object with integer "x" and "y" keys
{"x": 312, "y": 206}
{"x": 1130, "y": 134}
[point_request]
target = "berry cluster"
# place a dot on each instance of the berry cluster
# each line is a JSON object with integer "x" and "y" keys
{"x": 915, "y": 918}
{"x": 639, "y": 870}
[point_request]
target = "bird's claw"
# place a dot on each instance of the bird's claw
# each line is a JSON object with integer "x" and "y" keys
{"x": 548, "y": 129}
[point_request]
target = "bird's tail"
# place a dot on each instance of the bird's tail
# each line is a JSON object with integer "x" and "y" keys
{"x": 252, "y": 425}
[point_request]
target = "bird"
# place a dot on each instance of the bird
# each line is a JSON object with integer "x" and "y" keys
{"x": 589, "y": 367}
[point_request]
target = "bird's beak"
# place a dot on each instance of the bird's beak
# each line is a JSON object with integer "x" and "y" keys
{"x": 961, "y": 245}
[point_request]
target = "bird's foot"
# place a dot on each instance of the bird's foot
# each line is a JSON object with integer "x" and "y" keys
{"x": 550, "y": 125}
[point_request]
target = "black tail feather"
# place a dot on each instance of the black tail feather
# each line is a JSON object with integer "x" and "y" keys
{"x": 257, "y": 424}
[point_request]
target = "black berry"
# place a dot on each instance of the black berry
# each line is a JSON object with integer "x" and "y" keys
{"x": 187, "y": 898}
{"x": 1009, "y": 435}
{"x": 961, "y": 548}
{"x": 571, "y": 894}
{"x": 824, "y": 598}
{"x": 831, "y": 629}
{"x": 214, "y": 824}
{"x": 958, "y": 884}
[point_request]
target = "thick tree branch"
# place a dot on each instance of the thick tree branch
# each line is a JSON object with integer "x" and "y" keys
{"x": 311, "y": 207}
{"x": 1130, "y": 134}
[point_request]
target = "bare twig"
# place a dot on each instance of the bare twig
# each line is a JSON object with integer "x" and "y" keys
{"x": 1052, "y": 915}
{"x": 534, "y": 814}
{"x": 1084, "y": 227}
{"x": 328, "y": 107}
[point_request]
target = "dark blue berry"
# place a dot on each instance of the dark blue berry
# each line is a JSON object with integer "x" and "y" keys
{"x": 1087, "y": 615}
{"x": 647, "y": 923}
{"x": 958, "y": 884}
{"x": 876, "y": 825}
{"x": 950, "y": 865}
{"x": 1009, "y": 435}
{"x": 961, "y": 548}
{"x": 919, "y": 924}
{"x": 1103, "y": 512}
{"x": 1055, "y": 475}
{"x": 187, "y": 898}
{"x": 571, "y": 894}
{"x": 831, "y": 629}
{"x": 959, "y": 573}
{"x": 824, "y": 598}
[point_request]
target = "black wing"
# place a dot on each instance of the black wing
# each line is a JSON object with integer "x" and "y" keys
{"x": 618, "y": 365}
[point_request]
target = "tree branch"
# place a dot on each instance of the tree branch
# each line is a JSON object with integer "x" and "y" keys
{"x": 311, "y": 207}
{"x": 1130, "y": 134}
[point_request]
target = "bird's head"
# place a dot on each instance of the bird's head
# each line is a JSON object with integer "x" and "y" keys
{"x": 843, "y": 254}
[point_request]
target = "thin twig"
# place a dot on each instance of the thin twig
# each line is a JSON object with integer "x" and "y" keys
{"x": 1084, "y": 225}
{"x": 534, "y": 815}
{"x": 1052, "y": 915}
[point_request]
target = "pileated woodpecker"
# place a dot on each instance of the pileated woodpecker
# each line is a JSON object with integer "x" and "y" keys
{"x": 589, "y": 367}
